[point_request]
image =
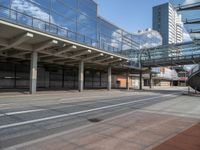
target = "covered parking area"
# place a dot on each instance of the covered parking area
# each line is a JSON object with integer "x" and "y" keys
{"x": 33, "y": 59}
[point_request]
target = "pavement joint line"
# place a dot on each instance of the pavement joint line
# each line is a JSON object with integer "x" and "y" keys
{"x": 42, "y": 109}
{"x": 81, "y": 112}
{"x": 14, "y": 147}
{"x": 63, "y": 133}
{"x": 62, "y": 99}
{"x": 66, "y": 132}
{"x": 57, "y": 94}
{"x": 179, "y": 114}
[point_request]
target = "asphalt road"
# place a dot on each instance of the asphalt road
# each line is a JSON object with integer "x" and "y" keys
{"x": 25, "y": 118}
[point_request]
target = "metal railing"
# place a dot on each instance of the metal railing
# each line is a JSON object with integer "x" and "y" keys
{"x": 194, "y": 70}
{"x": 187, "y": 6}
{"x": 25, "y": 20}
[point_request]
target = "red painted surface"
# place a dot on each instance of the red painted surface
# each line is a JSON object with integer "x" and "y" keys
{"x": 183, "y": 78}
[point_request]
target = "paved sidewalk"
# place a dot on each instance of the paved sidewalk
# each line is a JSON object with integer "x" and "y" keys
{"x": 132, "y": 131}
{"x": 187, "y": 140}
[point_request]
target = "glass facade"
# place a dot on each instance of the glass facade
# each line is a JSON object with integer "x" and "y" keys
{"x": 113, "y": 38}
{"x": 75, "y": 20}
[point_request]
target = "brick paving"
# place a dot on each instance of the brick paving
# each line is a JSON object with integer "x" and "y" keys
{"x": 133, "y": 131}
{"x": 187, "y": 140}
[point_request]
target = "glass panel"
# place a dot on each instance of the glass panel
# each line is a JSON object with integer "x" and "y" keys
{"x": 71, "y": 3}
{"x": 88, "y": 11}
{"x": 71, "y": 35}
{"x": 63, "y": 22}
{"x": 63, "y": 10}
{"x": 43, "y": 3}
{"x": 87, "y": 31}
{"x": 86, "y": 21}
{"x": 38, "y": 24}
{"x": 4, "y": 13}
{"x": 5, "y": 3}
{"x": 30, "y": 9}
{"x": 88, "y": 4}
{"x": 23, "y": 19}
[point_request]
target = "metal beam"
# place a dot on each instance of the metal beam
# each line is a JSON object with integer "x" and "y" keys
{"x": 17, "y": 41}
{"x": 192, "y": 21}
{"x": 44, "y": 56}
{"x": 80, "y": 53}
{"x": 53, "y": 59}
{"x": 70, "y": 61}
{"x": 66, "y": 49}
{"x": 192, "y": 6}
{"x": 104, "y": 59}
{"x": 44, "y": 45}
{"x": 19, "y": 53}
{"x": 29, "y": 47}
{"x": 93, "y": 56}
{"x": 112, "y": 61}
{"x": 194, "y": 31}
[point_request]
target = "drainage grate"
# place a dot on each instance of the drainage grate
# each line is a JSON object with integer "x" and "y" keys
{"x": 94, "y": 120}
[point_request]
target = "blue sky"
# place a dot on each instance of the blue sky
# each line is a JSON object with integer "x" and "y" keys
{"x": 130, "y": 15}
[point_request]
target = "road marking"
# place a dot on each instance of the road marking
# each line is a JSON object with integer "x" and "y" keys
{"x": 21, "y": 112}
{"x": 36, "y": 110}
{"x": 80, "y": 112}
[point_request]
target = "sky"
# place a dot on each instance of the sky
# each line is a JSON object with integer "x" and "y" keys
{"x": 131, "y": 15}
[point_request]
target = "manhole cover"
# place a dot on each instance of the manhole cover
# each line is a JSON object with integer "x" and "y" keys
{"x": 94, "y": 120}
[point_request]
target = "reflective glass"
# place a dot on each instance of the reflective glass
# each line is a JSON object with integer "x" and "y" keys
{"x": 63, "y": 10}
{"x": 30, "y": 9}
{"x": 88, "y": 11}
{"x": 4, "y": 13}
{"x": 86, "y": 21}
{"x": 88, "y": 4}
{"x": 43, "y": 3}
{"x": 63, "y": 22}
{"x": 5, "y": 3}
{"x": 71, "y": 3}
{"x": 87, "y": 32}
{"x": 73, "y": 19}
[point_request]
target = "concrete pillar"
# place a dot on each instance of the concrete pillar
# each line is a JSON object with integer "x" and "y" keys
{"x": 33, "y": 72}
{"x": 81, "y": 76}
{"x": 109, "y": 78}
{"x": 140, "y": 80}
{"x": 127, "y": 80}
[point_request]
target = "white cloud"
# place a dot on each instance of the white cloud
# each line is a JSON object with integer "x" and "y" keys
{"x": 190, "y": 1}
{"x": 30, "y": 9}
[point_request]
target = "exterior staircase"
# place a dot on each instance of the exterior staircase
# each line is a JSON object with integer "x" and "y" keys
{"x": 194, "y": 78}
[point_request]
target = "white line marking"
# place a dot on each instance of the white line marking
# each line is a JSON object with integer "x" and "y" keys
{"x": 79, "y": 112}
{"x": 36, "y": 110}
{"x": 21, "y": 112}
